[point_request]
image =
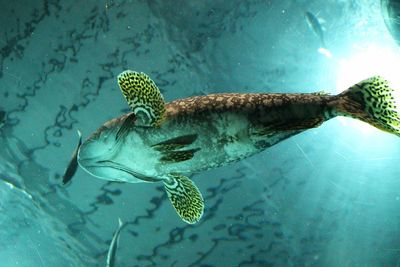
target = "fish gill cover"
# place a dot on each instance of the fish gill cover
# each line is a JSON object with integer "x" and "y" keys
{"x": 328, "y": 197}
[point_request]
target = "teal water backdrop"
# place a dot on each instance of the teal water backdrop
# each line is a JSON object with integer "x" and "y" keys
{"x": 327, "y": 197}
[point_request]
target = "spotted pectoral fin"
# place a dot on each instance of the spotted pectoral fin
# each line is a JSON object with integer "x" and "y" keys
{"x": 185, "y": 197}
{"x": 143, "y": 96}
{"x": 294, "y": 125}
{"x": 176, "y": 143}
{"x": 178, "y": 156}
{"x": 126, "y": 127}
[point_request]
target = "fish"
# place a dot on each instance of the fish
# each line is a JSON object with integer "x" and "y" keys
{"x": 112, "y": 250}
{"x": 315, "y": 25}
{"x": 164, "y": 142}
{"x": 390, "y": 10}
{"x": 73, "y": 163}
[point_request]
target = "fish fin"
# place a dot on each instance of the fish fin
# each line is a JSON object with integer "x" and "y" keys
{"x": 290, "y": 126}
{"x": 126, "y": 126}
{"x": 185, "y": 197}
{"x": 176, "y": 143}
{"x": 372, "y": 101}
{"x": 143, "y": 96}
{"x": 73, "y": 164}
{"x": 167, "y": 147}
{"x": 321, "y": 93}
{"x": 178, "y": 156}
{"x": 112, "y": 250}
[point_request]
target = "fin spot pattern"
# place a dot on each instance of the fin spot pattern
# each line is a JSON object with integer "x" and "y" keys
{"x": 143, "y": 96}
{"x": 185, "y": 197}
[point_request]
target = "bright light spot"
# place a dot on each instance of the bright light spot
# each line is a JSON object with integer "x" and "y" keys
{"x": 325, "y": 52}
{"x": 367, "y": 62}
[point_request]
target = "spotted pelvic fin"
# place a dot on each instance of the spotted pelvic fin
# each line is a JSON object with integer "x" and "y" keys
{"x": 372, "y": 101}
{"x": 143, "y": 96}
{"x": 185, "y": 197}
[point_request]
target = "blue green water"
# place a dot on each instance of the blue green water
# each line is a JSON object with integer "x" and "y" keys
{"x": 327, "y": 197}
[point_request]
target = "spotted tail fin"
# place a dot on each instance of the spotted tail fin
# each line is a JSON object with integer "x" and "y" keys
{"x": 372, "y": 101}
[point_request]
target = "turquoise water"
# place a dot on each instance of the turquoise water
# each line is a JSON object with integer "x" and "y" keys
{"x": 327, "y": 197}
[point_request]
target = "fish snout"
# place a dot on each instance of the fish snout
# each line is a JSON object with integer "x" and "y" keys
{"x": 89, "y": 152}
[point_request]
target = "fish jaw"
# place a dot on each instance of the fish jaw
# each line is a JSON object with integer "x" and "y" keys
{"x": 104, "y": 167}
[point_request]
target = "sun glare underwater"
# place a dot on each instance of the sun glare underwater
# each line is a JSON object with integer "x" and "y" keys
{"x": 369, "y": 61}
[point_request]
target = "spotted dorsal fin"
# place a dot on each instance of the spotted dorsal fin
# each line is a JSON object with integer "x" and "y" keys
{"x": 143, "y": 96}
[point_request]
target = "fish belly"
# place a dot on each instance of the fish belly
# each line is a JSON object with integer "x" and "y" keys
{"x": 221, "y": 139}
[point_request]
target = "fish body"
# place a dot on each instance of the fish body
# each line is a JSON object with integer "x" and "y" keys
{"x": 224, "y": 128}
{"x": 162, "y": 142}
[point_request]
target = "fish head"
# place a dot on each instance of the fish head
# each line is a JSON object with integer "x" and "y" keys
{"x": 102, "y": 144}
{"x": 104, "y": 153}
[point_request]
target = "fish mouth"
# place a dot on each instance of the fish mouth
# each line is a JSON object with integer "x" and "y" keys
{"x": 116, "y": 166}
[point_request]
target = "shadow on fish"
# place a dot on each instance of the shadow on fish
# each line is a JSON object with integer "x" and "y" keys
{"x": 164, "y": 142}
{"x": 315, "y": 25}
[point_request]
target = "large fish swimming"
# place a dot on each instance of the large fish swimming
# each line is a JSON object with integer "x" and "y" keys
{"x": 163, "y": 142}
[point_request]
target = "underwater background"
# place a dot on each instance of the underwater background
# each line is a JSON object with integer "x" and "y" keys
{"x": 327, "y": 197}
